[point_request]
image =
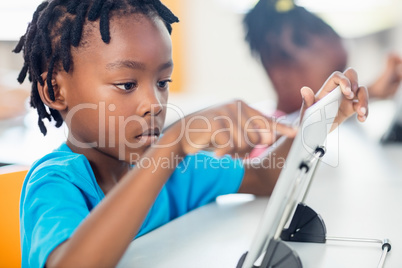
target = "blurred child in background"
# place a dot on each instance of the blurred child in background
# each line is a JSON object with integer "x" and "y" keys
{"x": 297, "y": 49}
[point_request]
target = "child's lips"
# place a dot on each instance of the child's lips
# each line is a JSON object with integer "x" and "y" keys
{"x": 147, "y": 139}
{"x": 149, "y": 136}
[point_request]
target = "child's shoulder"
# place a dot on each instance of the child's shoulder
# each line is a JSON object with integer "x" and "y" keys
{"x": 61, "y": 158}
{"x": 62, "y": 163}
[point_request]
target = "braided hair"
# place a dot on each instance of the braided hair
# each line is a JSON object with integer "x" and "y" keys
{"x": 57, "y": 25}
{"x": 269, "y": 19}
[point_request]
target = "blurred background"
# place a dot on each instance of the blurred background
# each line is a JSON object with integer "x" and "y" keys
{"x": 213, "y": 63}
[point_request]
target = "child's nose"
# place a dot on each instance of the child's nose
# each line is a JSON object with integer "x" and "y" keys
{"x": 150, "y": 102}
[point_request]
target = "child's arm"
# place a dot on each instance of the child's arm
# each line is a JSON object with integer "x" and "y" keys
{"x": 102, "y": 238}
{"x": 260, "y": 178}
{"x": 388, "y": 82}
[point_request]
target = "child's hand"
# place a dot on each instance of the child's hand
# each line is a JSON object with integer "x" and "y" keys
{"x": 234, "y": 129}
{"x": 388, "y": 83}
{"x": 355, "y": 97}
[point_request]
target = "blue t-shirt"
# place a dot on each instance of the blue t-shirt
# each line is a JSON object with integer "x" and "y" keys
{"x": 60, "y": 190}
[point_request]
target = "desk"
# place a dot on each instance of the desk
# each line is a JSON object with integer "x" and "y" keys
{"x": 358, "y": 196}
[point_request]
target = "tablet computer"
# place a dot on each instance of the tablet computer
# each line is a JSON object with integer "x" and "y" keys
{"x": 313, "y": 130}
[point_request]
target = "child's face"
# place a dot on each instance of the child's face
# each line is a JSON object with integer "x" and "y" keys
{"x": 117, "y": 93}
{"x": 323, "y": 57}
{"x": 311, "y": 67}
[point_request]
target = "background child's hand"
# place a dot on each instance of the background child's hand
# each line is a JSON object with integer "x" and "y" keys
{"x": 388, "y": 83}
{"x": 355, "y": 97}
{"x": 234, "y": 129}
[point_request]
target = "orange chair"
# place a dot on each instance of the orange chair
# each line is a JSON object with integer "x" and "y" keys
{"x": 11, "y": 179}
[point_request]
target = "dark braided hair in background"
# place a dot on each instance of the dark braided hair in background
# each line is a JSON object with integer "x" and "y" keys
{"x": 57, "y": 25}
{"x": 266, "y": 23}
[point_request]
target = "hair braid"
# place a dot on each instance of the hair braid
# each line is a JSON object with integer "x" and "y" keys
{"x": 104, "y": 21}
{"x": 164, "y": 12}
{"x": 72, "y": 6}
{"x": 65, "y": 43}
{"x": 37, "y": 103}
{"x": 57, "y": 116}
{"x": 50, "y": 76}
{"x": 78, "y": 24}
{"x": 20, "y": 44}
{"x": 23, "y": 40}
{"x": 43, "y": 24}
{"x": 35, "y": 60}
{"x": 94, "y": 12}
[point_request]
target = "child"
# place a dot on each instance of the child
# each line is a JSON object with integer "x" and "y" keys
{"x": 298, "y": 49}
{"x": 104, "y": 67}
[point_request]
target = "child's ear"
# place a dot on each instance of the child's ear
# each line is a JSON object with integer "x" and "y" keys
{"x": 59, "y": 102}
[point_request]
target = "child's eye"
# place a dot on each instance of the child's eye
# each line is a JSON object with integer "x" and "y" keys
{"x": 164, "y": 84}
{"x": 127, "y": 86}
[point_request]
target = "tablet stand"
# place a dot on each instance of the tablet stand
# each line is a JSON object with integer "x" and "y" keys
{"x": 278, "y": 255}
{"x": 306, "y": 226}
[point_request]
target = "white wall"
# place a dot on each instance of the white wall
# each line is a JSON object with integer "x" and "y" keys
{"x": 368, "y": 53}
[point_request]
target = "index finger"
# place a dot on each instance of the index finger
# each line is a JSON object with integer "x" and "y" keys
{"x": 287, "y": 130}
{"x": 267, "y": 127}
{"x": 351, "y": 74}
